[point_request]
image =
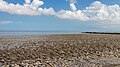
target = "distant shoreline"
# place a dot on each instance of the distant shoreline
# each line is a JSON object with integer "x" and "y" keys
{"x": 100, "y": 32}
{"x": 51, "y": 32}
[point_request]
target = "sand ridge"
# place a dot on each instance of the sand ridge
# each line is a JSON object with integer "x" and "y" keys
{"x": 60, "y": 50}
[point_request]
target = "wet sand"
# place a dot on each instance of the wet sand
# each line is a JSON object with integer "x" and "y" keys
{"x": 65, "y": 50}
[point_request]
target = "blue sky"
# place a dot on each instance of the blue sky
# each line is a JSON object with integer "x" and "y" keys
{"x": 58, "y": 22}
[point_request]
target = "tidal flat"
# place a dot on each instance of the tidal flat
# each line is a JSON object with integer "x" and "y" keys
{"x": 60, "y": 50}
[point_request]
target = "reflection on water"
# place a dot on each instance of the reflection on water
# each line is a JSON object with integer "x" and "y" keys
{"x": 37, "y": 32}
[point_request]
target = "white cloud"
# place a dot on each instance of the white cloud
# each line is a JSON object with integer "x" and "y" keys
{"x": 101, "y": 12}
{"x": 45, "y": 11}
{"x": 26, "y": 9}
{"x": 5, "y": 22}
{"x": 73, "y": 7}
{"x": 79, "y": 15}
{"x": 97, "y": 11}
{"x": 36, "y": 3}
{"x": 27, "y": 1}
{"x": 73, "y": 1}
{"x": 17, "y": 9}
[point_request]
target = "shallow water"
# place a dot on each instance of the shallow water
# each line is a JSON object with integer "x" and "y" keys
{"x": 37, "y": 32}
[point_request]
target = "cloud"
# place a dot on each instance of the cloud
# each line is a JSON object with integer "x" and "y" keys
{"x": 72, "y": 4}
{"x": 45, "y": 11}
{"x": 5, "y": 22}
{"x": 96, "y": 12}
{"x": 26, "y": 9}
{"x": 27, "y": 1}
{"x": 73, "y": 1}
{"x": 73, "y": 7}
{"x": 101, "y": 12}
{"x": 79, "y": 15}
{"x": 36, "y": 3}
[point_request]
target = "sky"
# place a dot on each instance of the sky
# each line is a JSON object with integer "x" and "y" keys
{"x": 60, "y": 15}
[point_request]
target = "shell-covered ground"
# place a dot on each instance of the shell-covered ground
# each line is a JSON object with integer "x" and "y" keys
{"x": 65, "y": 50}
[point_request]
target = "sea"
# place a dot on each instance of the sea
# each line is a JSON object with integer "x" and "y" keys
{"x": 37, "y": 32}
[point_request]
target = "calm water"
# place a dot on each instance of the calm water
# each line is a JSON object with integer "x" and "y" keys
{"x": 38, "y": 33}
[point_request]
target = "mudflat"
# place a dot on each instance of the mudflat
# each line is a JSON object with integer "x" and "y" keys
{"x": 61, "y": 50}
